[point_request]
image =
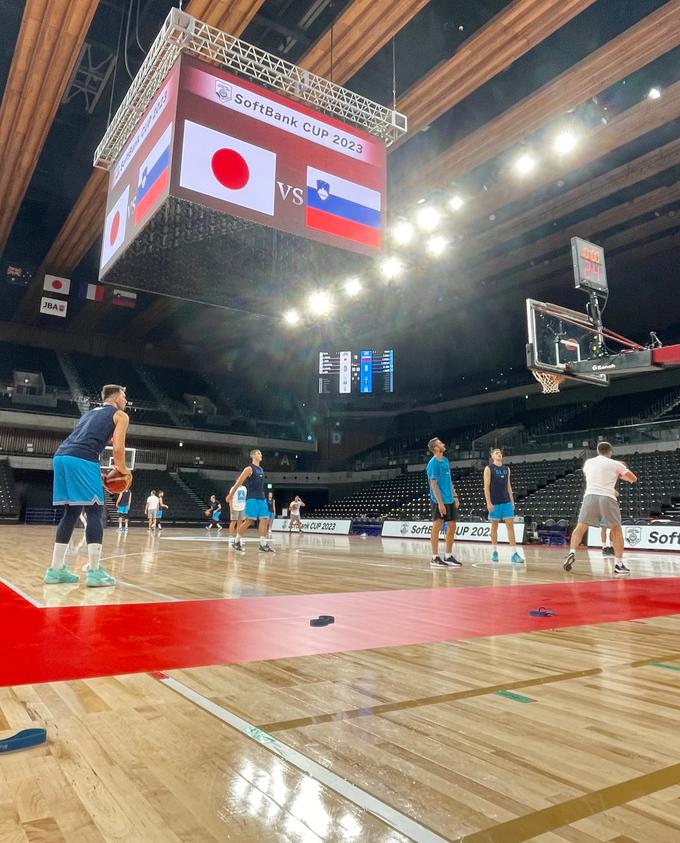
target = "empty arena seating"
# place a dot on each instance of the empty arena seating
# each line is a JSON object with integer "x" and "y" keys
{"x": 41, "y": 360}
{"x": 182, "y": 507}
{"x": 374, "y": 500}
{"x": 9, "y": 501}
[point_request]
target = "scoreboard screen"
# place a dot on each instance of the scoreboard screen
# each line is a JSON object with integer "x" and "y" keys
{"x": 363, "y": 372}
{"x": 589, "y": 268}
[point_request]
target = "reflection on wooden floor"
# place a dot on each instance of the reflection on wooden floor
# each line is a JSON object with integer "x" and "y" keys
{"x": 556, "y": 735}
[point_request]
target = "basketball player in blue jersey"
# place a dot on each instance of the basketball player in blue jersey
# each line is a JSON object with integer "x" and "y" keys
{"x": 444, "y": 504}
{"x": 123, "y": 504}
{"x": 501, "y": 503}
{"x": 257, "y": 509}
{"x": 78, "y": 483}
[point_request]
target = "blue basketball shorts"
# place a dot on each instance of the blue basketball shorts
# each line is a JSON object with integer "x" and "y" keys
{"x": 77, "y": 482}
{"x": 501, "y": 511}
{"x": 256, "y": 508}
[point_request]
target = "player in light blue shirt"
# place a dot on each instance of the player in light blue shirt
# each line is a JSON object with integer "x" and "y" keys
{"x": 444, "y": 504}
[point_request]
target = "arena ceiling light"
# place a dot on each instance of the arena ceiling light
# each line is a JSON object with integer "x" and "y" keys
{"x": 402, "y": 232}
{"x": 565, "y": 142}
{"x": 524, "y": 164}
{"x": 654, "y": 94}
{"x": 436, "y": 245}
{"x": 320, "y": 303}
{"x": 292, "y": 318}
{"x": 428, "y": 218}
{"x": 456, "y": 202}
{"x": 391, "y": 268}
{"x": 353, "y": 287}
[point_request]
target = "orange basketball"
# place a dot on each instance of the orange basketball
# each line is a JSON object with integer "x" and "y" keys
{"x": 115, "y": 482}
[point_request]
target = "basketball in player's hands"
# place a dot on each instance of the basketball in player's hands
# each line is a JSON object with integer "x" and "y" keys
{"x": 116, "y": 482}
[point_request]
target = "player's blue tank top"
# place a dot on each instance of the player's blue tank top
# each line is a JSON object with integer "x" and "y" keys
{"x": 91, "y": 435}
{"x": 499, "y": 484}
{"x": 255, "y": 483}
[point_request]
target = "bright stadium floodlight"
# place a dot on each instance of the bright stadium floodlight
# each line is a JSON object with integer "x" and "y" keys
{"x": 565, "y": 143}
{"x": 524, "y": 164}
{"x": 436, "y": 245}
{"x": 391, "y": 268}
{"x": 654, "y": 94}
{"x": 320, "y": 303}
{"x": 428, "y": 218}
{"x": 402, "y": 232}
{"x": 456, "y": 202}
{"x": 353, "y": 287}
{"x": 291, "y": 318}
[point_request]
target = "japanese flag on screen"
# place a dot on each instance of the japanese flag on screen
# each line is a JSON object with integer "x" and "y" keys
{"x": 228, "y": 168}
{"x": 114, "y": 227}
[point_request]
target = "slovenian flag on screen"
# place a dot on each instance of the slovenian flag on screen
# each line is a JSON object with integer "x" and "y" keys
{"x": 343, "y": 208}
{"x": 153, "y": 176}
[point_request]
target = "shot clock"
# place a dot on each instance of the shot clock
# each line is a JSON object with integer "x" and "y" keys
{"x": 589, "y": 268}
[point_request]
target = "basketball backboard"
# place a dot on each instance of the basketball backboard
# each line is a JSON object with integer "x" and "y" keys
{"x": 558, "y": 337}
{"x": 106, "y": 460}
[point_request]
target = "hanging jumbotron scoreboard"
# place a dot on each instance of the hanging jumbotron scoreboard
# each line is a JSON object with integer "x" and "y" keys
{"x": 251, "y": 158}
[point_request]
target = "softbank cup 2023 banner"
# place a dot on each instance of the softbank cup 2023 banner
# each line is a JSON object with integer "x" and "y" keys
{"x": 230, "y": 145}
{"x": 257, "y": 155}
{"x": 139, "y": 181}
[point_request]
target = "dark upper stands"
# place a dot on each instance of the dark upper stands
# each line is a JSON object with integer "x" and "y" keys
{"x": 9, "y": 500}
{"x": 28, "y": 359}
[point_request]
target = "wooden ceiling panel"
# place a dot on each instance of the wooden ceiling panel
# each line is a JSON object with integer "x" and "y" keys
{"x": 231, "y": 16}
{"x": 50, "y": 38}
{"x": 512, "y": 33}
{"x": 356, "y": 36}
{"x": 653, "y": 36}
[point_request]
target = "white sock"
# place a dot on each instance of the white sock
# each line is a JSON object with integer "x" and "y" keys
{"x": 618, "y": 560}
{"x": 94, "y": 552}
{"x": 59, "y": 555}
{"x": 435, "y": 555}
{"x": 263, "y": 541}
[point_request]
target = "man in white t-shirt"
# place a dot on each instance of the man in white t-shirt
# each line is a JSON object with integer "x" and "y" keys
{"x": 294, "y": 509}
{"x": 600, "y": 507}
{"x": 151, "y": 508}
{"x": 237, "y": 509}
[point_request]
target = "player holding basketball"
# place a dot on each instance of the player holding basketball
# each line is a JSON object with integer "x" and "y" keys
{"x": 500, "y": 502}
{"x": 444, "y": 505}
{"x": 78, "y": 483}
{"x": 600, "y": 507}
{"x": 252, "y": 477}
{"x": 123, "y": 504}
{"x": 294, "y": 510}
{"x": 214, "y": 512}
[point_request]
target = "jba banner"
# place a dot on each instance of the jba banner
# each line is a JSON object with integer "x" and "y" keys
{"x": 643, "y": 537}
{"x": 312, "y": 525}
{"x": 471, "y": 531}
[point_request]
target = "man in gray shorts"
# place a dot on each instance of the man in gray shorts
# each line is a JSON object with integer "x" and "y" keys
{"x": 600, "y": 507}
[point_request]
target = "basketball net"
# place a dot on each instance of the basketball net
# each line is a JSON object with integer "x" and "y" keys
{"x": 549, "y": 382}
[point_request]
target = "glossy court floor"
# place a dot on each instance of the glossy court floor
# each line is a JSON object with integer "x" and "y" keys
{"x": 194, "y": 702}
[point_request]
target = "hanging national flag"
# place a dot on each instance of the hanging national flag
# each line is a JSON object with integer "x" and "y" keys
{"x": 18, "y": 275}
{"x": 124, "y": 298}
{"x": 153, "y": 176}
{"x": 114, "y": 227}
{"x": 55, "y": 284}
{"x": 93, "y": 292}
{"x": 228, "y": 168}
{"x": 343, "y": 208}
{"x": 53, "y": 307}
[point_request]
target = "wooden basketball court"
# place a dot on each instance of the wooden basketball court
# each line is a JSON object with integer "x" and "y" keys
{"x": 195, "y": 702}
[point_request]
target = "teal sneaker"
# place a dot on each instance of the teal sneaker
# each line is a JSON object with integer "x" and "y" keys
{"x": 494, "y": 556}
{"x": 98, "y": 578}
{"x": 55, "y": 576}
{"x": 517, "y": 559}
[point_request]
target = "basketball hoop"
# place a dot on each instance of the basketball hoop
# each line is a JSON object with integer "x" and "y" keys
{"x": 549, "y": 382}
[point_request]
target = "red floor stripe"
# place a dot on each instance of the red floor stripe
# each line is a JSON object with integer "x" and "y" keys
{"x": 44, "y": 645}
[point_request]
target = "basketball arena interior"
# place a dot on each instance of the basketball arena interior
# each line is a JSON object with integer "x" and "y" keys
{"x": 324, "y": 326}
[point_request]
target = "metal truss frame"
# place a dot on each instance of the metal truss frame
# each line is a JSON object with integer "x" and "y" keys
{"x": 183, "y": 33}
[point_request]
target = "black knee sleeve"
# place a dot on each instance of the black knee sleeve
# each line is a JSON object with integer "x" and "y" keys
{"x": 67, "y": 523}
{"x": 94, "y": 532}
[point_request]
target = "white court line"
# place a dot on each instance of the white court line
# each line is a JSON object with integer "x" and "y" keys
{"x": 17, "y": 590}
{"x": 364, "y": 800}
{"x": 148, "y": 590}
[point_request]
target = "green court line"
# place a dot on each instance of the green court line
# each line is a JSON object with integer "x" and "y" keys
{"x": 666, "y": 666}
{"x": 516, "y": 697}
